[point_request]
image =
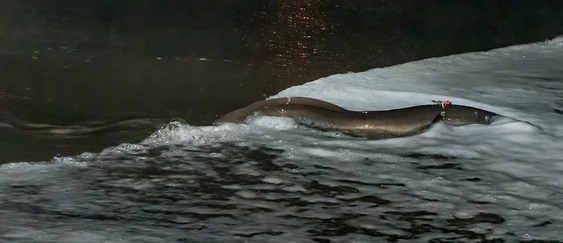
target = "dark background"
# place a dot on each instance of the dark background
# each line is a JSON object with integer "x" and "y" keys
{"x": 65, "y": 61}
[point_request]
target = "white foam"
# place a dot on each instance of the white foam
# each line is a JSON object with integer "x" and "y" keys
{"x": 278, "y": 123}
{"x": 272, "y": 180}
{"x": 489, "y": 80}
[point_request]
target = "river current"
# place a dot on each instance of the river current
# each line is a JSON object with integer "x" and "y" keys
{"x": 272, "y": 180}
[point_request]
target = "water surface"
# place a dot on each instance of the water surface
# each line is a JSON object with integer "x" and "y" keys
{"x": 272, "y": 180}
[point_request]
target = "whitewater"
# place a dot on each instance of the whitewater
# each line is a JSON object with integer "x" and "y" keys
{"x": 273, "y": 180}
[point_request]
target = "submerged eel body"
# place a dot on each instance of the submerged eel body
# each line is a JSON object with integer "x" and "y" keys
{"x": 9, "y": 121}
{"x": 372, "y": 124}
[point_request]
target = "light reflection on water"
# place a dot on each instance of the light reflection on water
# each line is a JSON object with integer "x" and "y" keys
{"x": 294, "y": 39}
